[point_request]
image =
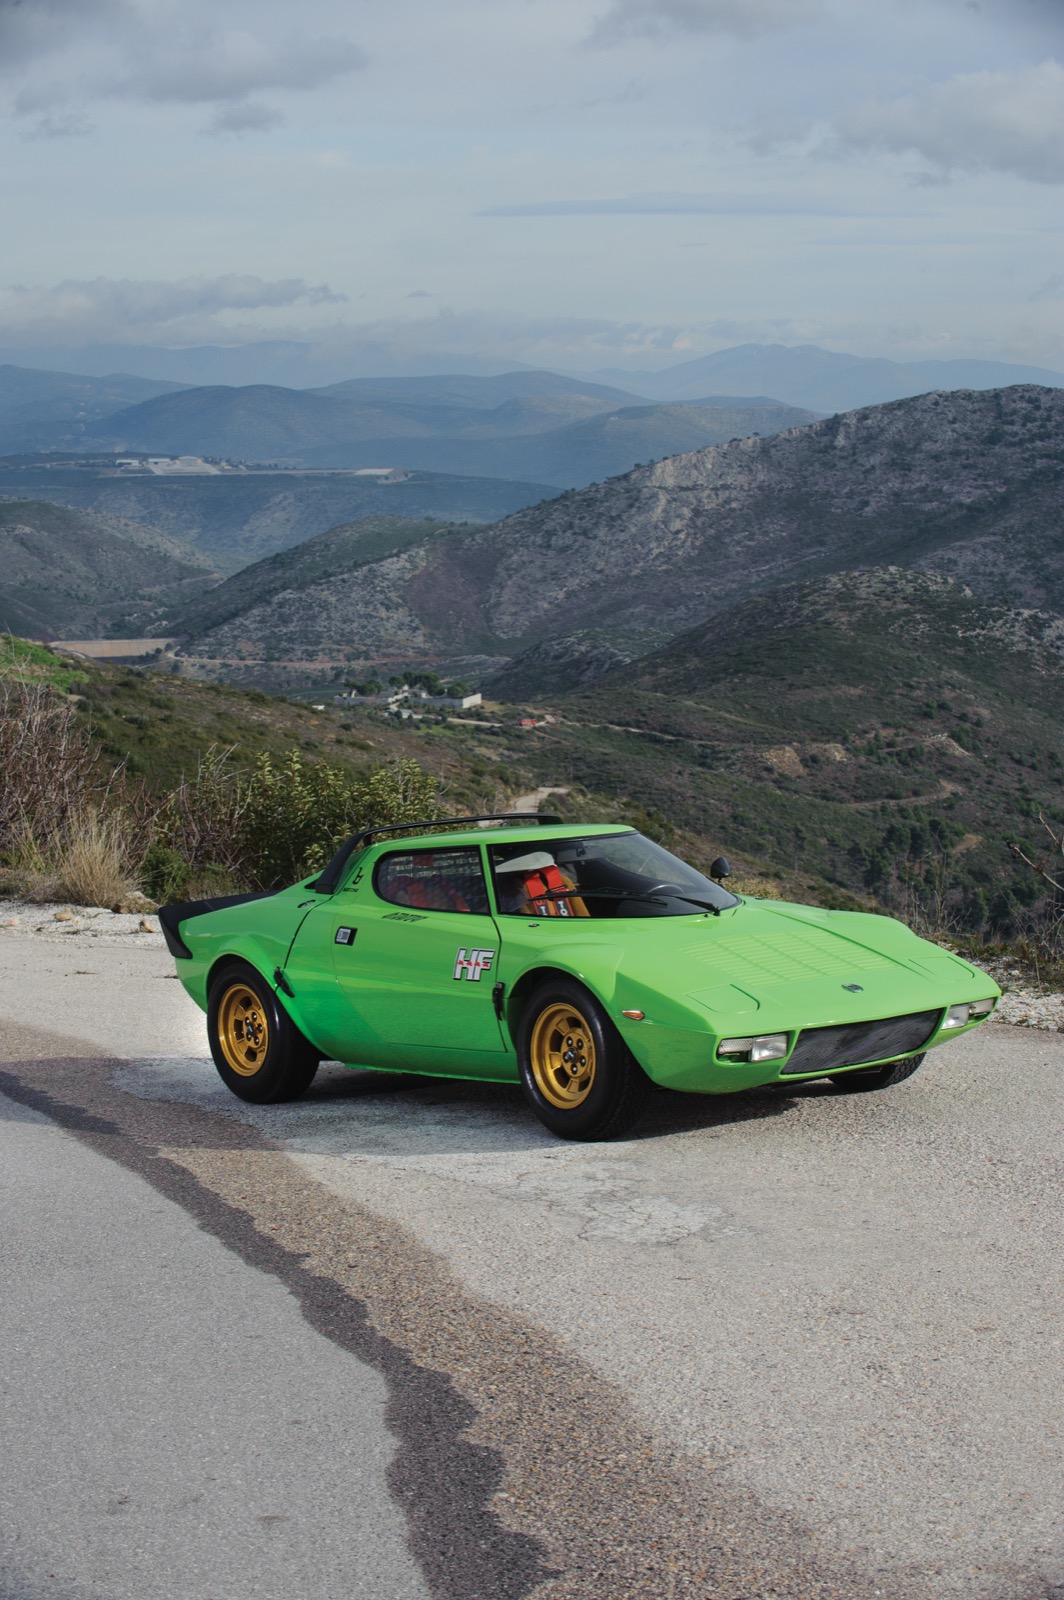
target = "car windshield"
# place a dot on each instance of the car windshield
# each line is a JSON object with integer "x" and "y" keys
{"x": 611, "y": 875}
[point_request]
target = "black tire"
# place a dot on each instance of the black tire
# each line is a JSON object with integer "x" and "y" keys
{"x": 258, "y": 1050}
{"x": 878, "y": 1077}
{"x": 577, "y": 1073}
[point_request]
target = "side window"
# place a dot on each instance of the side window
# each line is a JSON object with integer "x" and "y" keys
{"x": 432, "y": 880}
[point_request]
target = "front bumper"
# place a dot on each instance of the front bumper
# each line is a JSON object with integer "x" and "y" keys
{"x": 679, "y": 1058}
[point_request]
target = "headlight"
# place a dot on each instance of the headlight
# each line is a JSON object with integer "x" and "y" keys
{"x": 765, "y": 1047}
{"x": 960, "y": 1016}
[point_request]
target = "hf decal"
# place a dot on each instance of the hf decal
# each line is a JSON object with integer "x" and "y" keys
{"x": 471, "y": 963}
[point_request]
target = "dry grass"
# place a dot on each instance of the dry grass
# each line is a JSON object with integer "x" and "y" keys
{"x": 91, "y": 860}
{"x": 48, "y": 762}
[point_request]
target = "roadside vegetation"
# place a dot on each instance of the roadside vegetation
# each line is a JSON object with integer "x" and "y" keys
{"x": 78, "y": 824}
{"x": 118, "y": 783}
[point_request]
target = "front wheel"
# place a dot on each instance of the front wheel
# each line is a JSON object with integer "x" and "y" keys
{"x": 578, "y": 1074}
{"x": 258, "y": 1050}
{"x": 878, "y": 1077}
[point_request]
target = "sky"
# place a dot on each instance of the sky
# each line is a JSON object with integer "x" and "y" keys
{"x": 579, "y": 184}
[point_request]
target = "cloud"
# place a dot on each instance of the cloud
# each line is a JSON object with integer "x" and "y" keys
{"x": 743, "y": 19}
{"x": 247, "y": 116}
{"x": 30, "y": 29}
{"x": 1052, "y": 289}
{"x": 60, "y": 125}
{"x": 674, "y": 205}
{"x": 122, "y": 309}
{"x": 229, "y": 67}
{"x": 58, "y": 54}
{"x": 981, "y": 121}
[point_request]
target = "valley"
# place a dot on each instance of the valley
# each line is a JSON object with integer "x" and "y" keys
{"x": 835, "y": 652}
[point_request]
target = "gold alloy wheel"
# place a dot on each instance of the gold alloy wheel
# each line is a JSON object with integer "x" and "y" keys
{"x": 562, "y": 1055}
{"x": 243, "y": 1030}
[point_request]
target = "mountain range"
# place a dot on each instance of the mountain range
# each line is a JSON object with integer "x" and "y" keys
{"x": 530, "y": 426}
{"x": 526, "y": 426}
{"x": 802, "y": 375}
{"x": 967, "y": 485}
{"x": 822, "y": 380}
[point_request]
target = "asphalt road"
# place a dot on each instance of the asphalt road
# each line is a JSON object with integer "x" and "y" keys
{"x": 781, "y": 1344}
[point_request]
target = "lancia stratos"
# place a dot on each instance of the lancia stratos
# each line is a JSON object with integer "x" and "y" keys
{"x": 584, "y": 962}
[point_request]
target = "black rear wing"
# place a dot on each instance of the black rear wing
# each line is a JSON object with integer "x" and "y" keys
{"x": 171, "y": 917}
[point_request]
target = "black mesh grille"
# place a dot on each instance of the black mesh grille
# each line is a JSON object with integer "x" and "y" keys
{"x": 825, "y": 1049}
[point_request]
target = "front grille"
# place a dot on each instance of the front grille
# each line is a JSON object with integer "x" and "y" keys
{"x": 852, "y": 1044}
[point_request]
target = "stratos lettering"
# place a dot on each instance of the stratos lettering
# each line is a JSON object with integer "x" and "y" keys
{"x": 471, "y": 963}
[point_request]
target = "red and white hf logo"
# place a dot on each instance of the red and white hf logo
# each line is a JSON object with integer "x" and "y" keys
{"x": 471, "y": 963}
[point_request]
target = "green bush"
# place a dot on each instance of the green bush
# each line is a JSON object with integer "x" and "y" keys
{"x": 275, "y": 824}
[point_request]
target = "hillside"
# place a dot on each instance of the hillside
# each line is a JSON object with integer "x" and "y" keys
{"x": 513, "y": 441}
{"x": 967, "y": 484}
{"x": 472, "y": 392}
{"x": 67, "y": 573}
{"x": 232, "y": 520}
{"x": 823, "y": 380}
{"x": 56, "y": 410}
{"x": 885, "y": 736}
{"x": 875, "y": 729}
{"x": 554, "y": 431}
{"x": 319, "y": 560}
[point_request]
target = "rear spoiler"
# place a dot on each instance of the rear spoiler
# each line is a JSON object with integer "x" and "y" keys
{"x": 171, "y": 917}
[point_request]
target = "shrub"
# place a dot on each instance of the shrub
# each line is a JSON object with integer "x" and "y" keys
{"x": 200, "y": 824}
{"x": 92, "y": 859}
{"x": 297, "y": 813}
{"x": 283, "y": 820}
{"x": 49, "y": 772}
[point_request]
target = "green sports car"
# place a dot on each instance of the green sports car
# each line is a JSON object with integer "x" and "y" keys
{"x": 583, "y": 961}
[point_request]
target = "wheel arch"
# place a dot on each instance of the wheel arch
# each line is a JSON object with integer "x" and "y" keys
{"x": 233, "y": 958}
{"x": 526, "y": 985}
{"x": 241, "y": 958}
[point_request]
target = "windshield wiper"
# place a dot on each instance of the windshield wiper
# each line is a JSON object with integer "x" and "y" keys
{"x": 705, "y": 905}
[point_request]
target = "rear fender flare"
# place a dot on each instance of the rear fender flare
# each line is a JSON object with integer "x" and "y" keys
{"x": 251, "y": 959}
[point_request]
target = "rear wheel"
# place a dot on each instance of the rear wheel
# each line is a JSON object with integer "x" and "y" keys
{"x": 878, "y": 1077}
{"x": 258, "y": 1050}
{"x": 578, "y": 1075}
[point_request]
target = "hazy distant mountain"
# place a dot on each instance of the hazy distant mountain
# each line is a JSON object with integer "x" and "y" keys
{"x": 615, "y": 441}
{"x": 50, "y": 410}
{"x": 530, "y": 426}
{"x": 475, "y": 392}
{"x": 65, "y": 573}
{"x": 290, "y": 362}
{"x": 966, "y": 484}
{"x": 229, "y": 521}
{"x": 337, "y": 428}
{"x": 823, "y": 380}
